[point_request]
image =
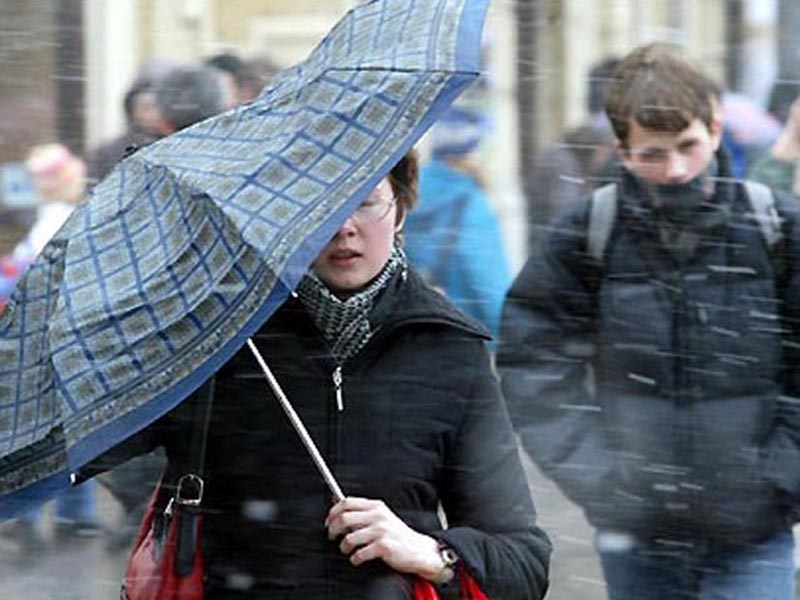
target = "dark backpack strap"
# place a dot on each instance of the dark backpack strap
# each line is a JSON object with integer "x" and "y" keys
{"x": 602, "y": 216}
{"x": 764, "y": 211}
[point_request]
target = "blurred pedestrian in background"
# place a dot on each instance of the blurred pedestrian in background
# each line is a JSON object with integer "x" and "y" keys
{"x": 143, "y": 122}
{"x": 188, "y": 94}
{"x": 780, "y": 167}
{"x": 649, "y": 353}
{"x": 582, "y": 160}
{"x": 454, "y": 237}
{"x": 782, "y": 95}
{"x": 748, "y": 130}
{"x": 59, "y": 179}
{"x": 164, "y": 98}
{"x": 246, "y": 78}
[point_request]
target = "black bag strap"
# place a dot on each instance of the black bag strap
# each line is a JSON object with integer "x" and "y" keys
{"x": 189, "y": 491}
{"x": 189, "y": 488}
{"x": 200, "y": 422}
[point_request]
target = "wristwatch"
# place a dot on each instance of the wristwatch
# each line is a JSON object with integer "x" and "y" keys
{"x": 450, "y": 560}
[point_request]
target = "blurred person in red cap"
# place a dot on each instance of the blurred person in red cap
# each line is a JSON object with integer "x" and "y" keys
{"x": 59, "y": 180}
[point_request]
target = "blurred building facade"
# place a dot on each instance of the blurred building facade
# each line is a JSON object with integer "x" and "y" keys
{"x": 67, "y": 63}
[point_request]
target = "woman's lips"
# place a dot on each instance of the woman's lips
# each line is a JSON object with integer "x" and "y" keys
{"x": 343, "y": 257}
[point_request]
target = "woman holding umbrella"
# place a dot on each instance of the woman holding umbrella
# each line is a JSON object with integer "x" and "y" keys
{"x": 396, "y": 387}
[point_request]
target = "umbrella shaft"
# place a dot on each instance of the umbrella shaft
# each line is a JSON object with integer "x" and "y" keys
{"x": 298, "y": 425}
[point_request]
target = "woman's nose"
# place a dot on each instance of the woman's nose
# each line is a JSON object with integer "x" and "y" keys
{"x": 348, "y": 227}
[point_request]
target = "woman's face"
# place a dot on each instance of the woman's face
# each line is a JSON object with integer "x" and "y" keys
{"x": 363, "y": 244}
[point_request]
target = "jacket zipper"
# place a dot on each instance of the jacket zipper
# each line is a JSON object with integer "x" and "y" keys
{"x": 338, "y": 415}
{"x": 337, "y": 387}
{"x": 335, "y": 447}
{"x": 684, "y": 381}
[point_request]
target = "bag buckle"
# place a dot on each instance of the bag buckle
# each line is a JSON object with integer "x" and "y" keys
{"x": 189, "y": 491}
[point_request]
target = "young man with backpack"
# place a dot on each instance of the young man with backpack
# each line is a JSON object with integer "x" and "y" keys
{"x": 649, "y": 353}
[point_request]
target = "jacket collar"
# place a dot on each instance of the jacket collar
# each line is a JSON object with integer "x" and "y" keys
{"x": 409, "y": 300}
{"x": 405, "y": 301}
{"x": 724, "y": 189}
{"x": 636, "y": 207}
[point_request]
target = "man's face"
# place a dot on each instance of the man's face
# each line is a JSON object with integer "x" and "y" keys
{"x": 663, "y": 157}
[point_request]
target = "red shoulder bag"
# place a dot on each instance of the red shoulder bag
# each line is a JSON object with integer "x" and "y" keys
{"x": 167, "y": 558}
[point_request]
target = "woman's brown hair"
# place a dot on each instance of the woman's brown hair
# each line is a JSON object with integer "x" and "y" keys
{"x": 404, "y": 179}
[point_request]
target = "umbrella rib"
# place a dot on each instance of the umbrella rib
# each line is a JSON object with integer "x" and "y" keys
{"x": 298, "y": 425}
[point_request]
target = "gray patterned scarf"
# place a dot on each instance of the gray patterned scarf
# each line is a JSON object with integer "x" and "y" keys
{"x": 344, "y": 323}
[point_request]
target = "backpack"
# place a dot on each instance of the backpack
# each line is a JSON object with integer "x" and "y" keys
{"x": 603, "y": 214}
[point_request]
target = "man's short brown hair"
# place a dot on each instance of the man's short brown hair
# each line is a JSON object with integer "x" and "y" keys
{"x": 659, "y": 90}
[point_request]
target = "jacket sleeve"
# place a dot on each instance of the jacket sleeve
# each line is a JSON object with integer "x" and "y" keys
{"x": 491, "y": 518}
{"x": 782, "y": 449}
{"x": 169, "y": 430}
{"x": 140, "y": 443}
{"x": 546, "y": 345}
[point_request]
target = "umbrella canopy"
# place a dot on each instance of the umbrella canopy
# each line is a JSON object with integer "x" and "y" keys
{"x": 189, "y": 245}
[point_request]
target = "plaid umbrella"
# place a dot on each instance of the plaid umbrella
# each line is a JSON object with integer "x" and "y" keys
{"x": 189, "y": 245}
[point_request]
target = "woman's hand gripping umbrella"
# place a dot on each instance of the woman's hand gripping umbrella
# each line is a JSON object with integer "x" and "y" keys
{"x": 367, "y": 528}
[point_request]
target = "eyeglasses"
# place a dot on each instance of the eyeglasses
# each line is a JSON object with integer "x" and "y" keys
{"x": 374, "y": 209}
